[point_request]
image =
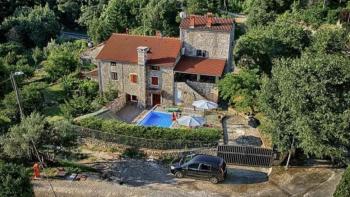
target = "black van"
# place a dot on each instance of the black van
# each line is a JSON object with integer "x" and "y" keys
{"x": 200, "y": 166}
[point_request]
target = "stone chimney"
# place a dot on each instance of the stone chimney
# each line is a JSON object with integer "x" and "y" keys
{"x": 142, "y": 55}
{"x": 192, "y": 21}
{"x": 209, "y": 19}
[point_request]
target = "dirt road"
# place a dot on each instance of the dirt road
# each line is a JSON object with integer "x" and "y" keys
{"x": 149, "y": 178}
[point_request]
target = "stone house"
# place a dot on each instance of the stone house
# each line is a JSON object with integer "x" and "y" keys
{"x": 151, "y": 70}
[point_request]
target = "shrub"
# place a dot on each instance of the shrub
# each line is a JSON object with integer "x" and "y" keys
{"x": 343, "y": 188}
{"x": 14, "y": 181}
{"x": 122, "y": 128}
{"x": 77, "y": 106}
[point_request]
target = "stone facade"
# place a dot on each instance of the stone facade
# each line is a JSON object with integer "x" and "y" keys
{"x": 165, "y": 85}
{"x": 209, "y": 90}
{"x": 186, "y": 95}
{"x": 216, "y": 44}
{"x": 123, "y": 84}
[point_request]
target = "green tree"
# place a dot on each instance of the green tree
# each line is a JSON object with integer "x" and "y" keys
{"x": 62, "y": 59}
{"x": 343, "y": 188}
{"x": 260, "y": 45}
{"x": 77, "y": 106}
{"x": 69, "y": 12}
{"x": 202, "y": 7}
{"x": 114, "y": 18}
{"x": 31, "y": 26}
{"x": 31, "y": 96}
{"x": 330, "y": 39}
{"x": 4, "y": 123}
{"x": 18, "y": 142}
{"x": 35, "y": 130}
{"x": 159, "y": 15}
{"x": 14, "y": 181}
{"x": 308, "y": 99}
{"x": 262, "y": 12}
{"x": 241, "y": 89}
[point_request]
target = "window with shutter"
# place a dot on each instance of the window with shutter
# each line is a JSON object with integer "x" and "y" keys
{"x": 154, "y": 81}
{"x": 133, "y": 78}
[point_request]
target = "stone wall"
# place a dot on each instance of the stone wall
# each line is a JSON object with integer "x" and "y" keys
{"x": 118, "y": 103}
{"x": 189, "y": 95}
{"x": 208, "y": 90}
{"x": 151, "y": 153}
{"x": 215, "y": 43}
{"x": 219, "y": 45}
{"x": 165, "y": 85}
{"x": 123, "y": 84}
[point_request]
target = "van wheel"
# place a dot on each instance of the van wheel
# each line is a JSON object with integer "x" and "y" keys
{"x": 179, "y": 174}
{"x": 214, "y": 180}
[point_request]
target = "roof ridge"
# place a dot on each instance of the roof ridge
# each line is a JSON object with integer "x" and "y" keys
{"x": 135, "y": 35}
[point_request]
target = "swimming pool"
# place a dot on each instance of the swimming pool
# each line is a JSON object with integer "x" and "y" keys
{"x": 158, "y": 119}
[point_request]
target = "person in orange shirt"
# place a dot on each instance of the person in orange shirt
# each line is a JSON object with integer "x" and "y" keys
{"x": 36, "y": 169}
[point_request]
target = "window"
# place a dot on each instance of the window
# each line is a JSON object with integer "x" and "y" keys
{"x": 202, "y": 53}
{"x": 155, "y": 68}
{"x": 193, "y": 166}
{"x": 114, "y": 76}
{"x": 134, "y": 98}
{"x": 204, "y": 167}
{"x": 133, "y": 78}
{"x": 154, "y": 81}
{"x": 113, "y": 63}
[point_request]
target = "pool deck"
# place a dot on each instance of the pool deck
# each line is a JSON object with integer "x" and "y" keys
{"x": 211, "y": 117}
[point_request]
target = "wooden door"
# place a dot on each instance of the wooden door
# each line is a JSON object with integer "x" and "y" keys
{"x": 155, "y": 99}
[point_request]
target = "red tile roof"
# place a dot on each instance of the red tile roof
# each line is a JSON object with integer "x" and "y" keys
{"x": 203, "y": 66}
{"x": 123, "y": 48}
{"x": 218, "y": 24}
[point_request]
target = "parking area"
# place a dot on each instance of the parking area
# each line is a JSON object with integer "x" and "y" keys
{"x": 140, "y": 177}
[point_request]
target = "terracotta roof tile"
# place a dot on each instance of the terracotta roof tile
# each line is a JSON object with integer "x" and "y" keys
{"x": 123, "y": 48}
{"x": 203, "y": 66}
{"x": 218, "y": 24}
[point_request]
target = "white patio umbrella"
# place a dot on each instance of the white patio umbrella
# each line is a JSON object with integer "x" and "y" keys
{"x": 191, "y": 121}
{"x": 204, "y": 104}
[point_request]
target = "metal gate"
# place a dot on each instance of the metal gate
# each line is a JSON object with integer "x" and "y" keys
{"x": 246, "y": 155}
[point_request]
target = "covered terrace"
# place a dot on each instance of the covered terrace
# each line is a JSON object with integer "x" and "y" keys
{"x": 199, "y": 69}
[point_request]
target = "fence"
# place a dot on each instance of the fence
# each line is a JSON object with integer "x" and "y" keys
{"x": 141, "y": 142}
{"x": 246, "y": 155}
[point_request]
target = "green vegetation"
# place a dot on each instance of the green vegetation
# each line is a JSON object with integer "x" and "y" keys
{"x": 122, "y": 128}
{"x": 343, "y": 188}
{"x": 14, "y": 181}
{"x": 241, "y": 89}
{"x": 19, "y": 142}
{"x": 300, "y": 90}
{"x": 31, "y": 26}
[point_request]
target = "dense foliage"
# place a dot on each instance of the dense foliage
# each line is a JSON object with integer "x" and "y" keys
{"x": 31, "y": 26}
{"x": 14, "y": 181}
{"x": 343, "y": 188}
{"x": 122, "y": 128}
{"x": 19, "y": 142}
{"x": 309, "y": 98}
{"x": 241, "y": 89}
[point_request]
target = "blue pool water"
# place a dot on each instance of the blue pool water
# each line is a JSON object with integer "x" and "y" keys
{"x": 158, "y": 119}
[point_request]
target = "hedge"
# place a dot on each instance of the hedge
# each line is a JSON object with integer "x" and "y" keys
{"x": 122, "y": 128}
{"x": 343, "y": 188}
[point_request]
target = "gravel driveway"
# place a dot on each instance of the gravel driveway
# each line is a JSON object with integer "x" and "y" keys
{"x": 139, "y": 177}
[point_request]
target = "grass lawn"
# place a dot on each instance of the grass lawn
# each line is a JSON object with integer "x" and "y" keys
{"x": 54, "y": 96}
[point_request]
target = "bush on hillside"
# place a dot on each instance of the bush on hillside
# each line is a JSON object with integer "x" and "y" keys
{"x": 14, "y": 181}
{"x": 343, "y": 188}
